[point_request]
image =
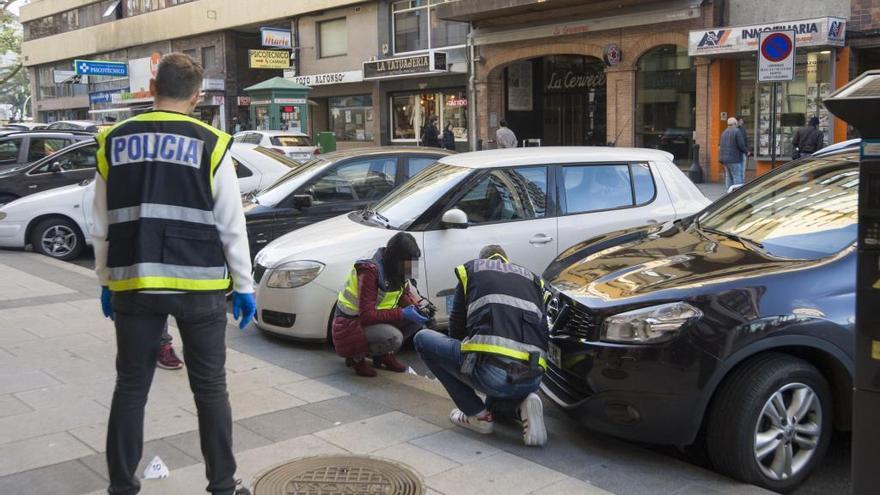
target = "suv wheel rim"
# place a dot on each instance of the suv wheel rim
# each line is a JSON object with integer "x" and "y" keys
{"x": 788, "y": 431}
{"x": 59, "y": 240}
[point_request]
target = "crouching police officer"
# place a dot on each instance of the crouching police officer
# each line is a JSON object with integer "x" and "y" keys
{"x": 168, "y": 229}
{"x": 497, "y": 344}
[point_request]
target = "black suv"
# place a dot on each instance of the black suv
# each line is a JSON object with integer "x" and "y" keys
{"x": 70, "y": 165}
{"x": 21, "y": 147}
{"x": 734, "y": 326}
{"x": 333, "y": 184}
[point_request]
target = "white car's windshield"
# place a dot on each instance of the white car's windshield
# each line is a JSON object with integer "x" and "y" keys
{"x": 404, "y": 205}
{"x": 806, "y": 212}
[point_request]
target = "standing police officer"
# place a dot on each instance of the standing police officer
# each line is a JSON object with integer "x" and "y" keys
{"x": 497, "y": 344}
{"x": 168, "y": 229}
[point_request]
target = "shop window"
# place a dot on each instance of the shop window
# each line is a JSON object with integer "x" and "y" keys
{"x": 666, "y": 97}
{"x": 291, "y": 119}
{"x": 410, "y": 112}
{"x": 351, "y": 117}
{"x": 209, "y": 62}
{"x": 597, "y": 187}
{"x": 261, "y": 118}
{"x": 417, "y": 27}
{"x": 507, "y": 195}
{"x": 332, "y": 38}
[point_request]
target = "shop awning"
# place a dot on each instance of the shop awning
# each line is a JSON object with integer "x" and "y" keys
{"x": 671, "y": 11}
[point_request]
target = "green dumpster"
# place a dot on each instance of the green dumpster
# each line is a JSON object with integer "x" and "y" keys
{"x": 326, "y": 141}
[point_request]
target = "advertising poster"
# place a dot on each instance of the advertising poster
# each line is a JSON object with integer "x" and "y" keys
{"x": 519, "y": 87}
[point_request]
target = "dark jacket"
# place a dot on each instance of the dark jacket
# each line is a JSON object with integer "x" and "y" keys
{"x": 745, "y": 134}
{"x": 348, "y": 333}
{"x": 431, "y": 136}
{"x": 807, "y": 140}
{"x": 733, "y": 146}
{"x": 448, "y": 139}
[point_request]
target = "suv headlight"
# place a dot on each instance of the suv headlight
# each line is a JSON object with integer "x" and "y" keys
{"x": 648, "y": 325}
{"x": 294, "y": 274}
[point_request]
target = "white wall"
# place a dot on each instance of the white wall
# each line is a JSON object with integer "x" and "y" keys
{"x": 745, "y": 12}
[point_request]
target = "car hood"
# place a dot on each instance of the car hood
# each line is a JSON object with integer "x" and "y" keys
{"x": 335, "y": 239}
{"x": 669, "y": 262}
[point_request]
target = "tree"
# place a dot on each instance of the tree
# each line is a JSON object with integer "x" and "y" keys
{"x": 14, "y": 85}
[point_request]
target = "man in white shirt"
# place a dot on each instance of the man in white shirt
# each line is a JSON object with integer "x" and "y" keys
{"x": 168, "y": 229}
{"x": 504, "y": 137}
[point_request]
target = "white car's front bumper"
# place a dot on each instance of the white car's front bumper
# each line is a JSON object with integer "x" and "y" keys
{"x": 12, "y": 234}
{"x": 302, "y": 313}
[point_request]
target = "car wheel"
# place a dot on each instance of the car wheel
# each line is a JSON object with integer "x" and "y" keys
{"x": 58, "y": 238}
{"x": 7, "y": 198}
{"x": 770, "y": 422}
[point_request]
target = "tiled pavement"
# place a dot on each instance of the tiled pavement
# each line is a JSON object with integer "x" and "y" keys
{"x": 288, "y": 400}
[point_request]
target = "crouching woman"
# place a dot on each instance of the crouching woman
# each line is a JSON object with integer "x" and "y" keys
{"x": 376, "y": 310}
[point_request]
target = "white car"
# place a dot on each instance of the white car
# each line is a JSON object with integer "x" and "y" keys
{"x": 294, "y": 145}
{"x": 55, "y": 222}
{"x": 534, "y": 202}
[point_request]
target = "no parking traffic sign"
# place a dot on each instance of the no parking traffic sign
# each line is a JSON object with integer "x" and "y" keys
{"x": 776, "y": 56}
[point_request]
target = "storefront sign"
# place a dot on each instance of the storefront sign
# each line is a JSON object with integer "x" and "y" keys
{"x": 140, "y": 71}
{"x": 405, "y": 66}
{"x": 103, "y": 96}
{"x": 127, "y": 97}
{"x": 290, "y": 101}
{"x": 776, "y": 56}
{"x": 455, "y": 102}
{"x": 276, "y": 38}
{"x": 564, "y": 81}
{"x": 100, "y": 68}
{"x": 519, "y": 86}
{"x": 612, "y": 55}
{"x": 269, "y": 59}
{"x": 825, "y": 31}
{"x": 330, "y": 78}
{"x": 244, "y": 101}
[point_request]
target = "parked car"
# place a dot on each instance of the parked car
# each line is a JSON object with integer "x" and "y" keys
{"x": 75, "y": 125}
{"x": 335, "y": 183}
{"x": 736, "y": 322}
{"x": 24, "y": 126}
{"x": 22, "y": 147}
{"x": 55, "y": 222}
{"x": 295, "y": 145}
{"x": 77, "y": 163}
{"x": 532, "y": 201}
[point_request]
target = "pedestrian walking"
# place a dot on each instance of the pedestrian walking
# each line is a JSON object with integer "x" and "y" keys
{"x": 741, "y": 125}
{"x": 497, "y": 345}
{"x": 430, "y": 134}
{"x": 504, "y": 137}
{"x": 168, "y": 229}
{"x": 733, "y": 147}
{"x": 807, "y": 140}
{"x": 448, "y": 137}
{"x": 376, "y": 311}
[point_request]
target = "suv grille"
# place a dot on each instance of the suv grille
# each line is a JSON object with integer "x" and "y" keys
{"x": 576, "y": 321}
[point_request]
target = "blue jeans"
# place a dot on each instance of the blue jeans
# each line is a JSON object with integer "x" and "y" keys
{"x": 734, "y": 173}
{"x": 444, "y": 358}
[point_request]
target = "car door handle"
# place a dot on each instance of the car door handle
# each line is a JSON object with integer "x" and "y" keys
{"x": 540, "y": 239}
{"x": 32, "y": 186}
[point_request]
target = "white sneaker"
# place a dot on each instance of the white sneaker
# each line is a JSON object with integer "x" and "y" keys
{"x": 531, "y": 412}
{"x": 480, "y": 424}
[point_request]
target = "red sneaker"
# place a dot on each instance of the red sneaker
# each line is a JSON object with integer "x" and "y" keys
{"x": 389, "y": 362}
{"x": 363, "y": 368}
{"x": 167, "y": 359}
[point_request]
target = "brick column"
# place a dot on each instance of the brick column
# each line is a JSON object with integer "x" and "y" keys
{"x": 621, "y": 105}
{"x": 703, "y": 117}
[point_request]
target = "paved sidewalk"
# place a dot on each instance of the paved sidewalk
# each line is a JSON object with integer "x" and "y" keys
{"x": 288, "y": 401}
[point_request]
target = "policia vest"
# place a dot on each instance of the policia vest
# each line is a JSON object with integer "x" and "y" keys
{"x": 159, "y": 168}
{"x": 505, "y": 309}
{"x": 347, "y": 302}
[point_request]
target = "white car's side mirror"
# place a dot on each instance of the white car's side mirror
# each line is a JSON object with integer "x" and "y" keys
{"x": 454, "y": 219}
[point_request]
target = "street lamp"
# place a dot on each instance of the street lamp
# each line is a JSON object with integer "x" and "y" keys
{"x": 858, "y": 103}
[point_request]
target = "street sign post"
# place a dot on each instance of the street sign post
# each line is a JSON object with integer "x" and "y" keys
{"x": 100, "y": 68}
{"x": 776, "y": 54}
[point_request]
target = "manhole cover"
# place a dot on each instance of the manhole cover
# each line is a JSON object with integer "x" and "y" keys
{"x": 339, "y": 475}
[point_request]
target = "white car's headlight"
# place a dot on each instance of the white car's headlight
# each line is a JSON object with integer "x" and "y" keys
{"x": 294, "y": 274}
{"x": 648, "y": 325}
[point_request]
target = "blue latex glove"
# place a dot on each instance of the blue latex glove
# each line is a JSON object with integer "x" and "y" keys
{"x": 106, "y": 307}
{"x": 412, "y": 314}
{"x": 244, "y": 305}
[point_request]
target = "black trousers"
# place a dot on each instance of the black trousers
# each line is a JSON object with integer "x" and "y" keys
{"x": 140, "y": 322}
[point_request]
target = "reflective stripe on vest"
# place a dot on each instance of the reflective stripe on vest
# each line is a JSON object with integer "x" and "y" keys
{"x": 164, "y": 212}
{"x": 506, "y": 300}
{"x": 162, "y": 276}
{"x": 493, "y": 344}
{"x": 348, "y": 302}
